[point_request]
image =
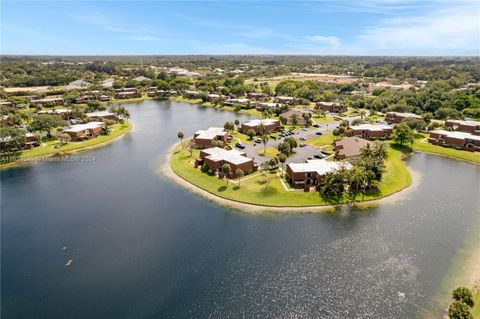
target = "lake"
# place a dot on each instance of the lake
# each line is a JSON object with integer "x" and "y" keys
{"x": 143, "y": 247}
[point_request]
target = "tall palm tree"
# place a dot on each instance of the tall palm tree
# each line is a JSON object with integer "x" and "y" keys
{"x": 180, "y": 135}
{"x": 239, "y": 174}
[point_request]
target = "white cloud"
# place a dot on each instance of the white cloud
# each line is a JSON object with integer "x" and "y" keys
{"x": 322, "y": 39}
{"x": 453, "y": 31}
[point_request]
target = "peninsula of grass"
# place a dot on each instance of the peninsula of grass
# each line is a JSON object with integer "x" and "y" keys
{"x": 269, "y": 151}
{"x": 266, "y": 188}
{"x": 422, "y": 145}
{"x": 54, "y": 148}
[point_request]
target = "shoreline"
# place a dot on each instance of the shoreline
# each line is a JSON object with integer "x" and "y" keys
{"x": 67, "y": 152}
{"x": 166, "y": 169}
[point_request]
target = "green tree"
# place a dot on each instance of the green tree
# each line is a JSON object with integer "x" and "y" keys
{"x": 180, "y": 135}
{"x": 459, "y": 310}
{"x": 239, "y": 174}
{"x": 463, "y": 294}
{"x": 294, "y": 120}
{"x": 251, "y": 133}
{"x": 237, "y": 123}
{"x": 11, "y": 139}
{"x": 264, "y": 141}
{"x": 403, "y": 134}
{"x": 282, "y": 158}
{"x": 226, "y": 170}
{"x": 64, "y": 138}
{"x": 46, "y": 123}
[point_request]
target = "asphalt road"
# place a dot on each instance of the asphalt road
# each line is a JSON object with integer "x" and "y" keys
{"x": 302, "y": 153}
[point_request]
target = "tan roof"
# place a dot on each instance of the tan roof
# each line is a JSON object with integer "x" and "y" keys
{"x": 232, "y": 156}
{"x": 210, "y": 133}
{"x": 320, "y": 166}
{"x": 350, "y": 146}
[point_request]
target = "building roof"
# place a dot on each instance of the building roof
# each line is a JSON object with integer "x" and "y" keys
{"x": 466, "y": 123}
{"x": 350, "y": 146}
{"x": 56, "y": 111}
{"x": 79, "y": 83}
{"x": 86, "y": 126}
{"x": 210, "y": 133}
{"x": 371, "y": 127}
{"x": 457, "y": 134}
{"x": 99, "y": 114}
{"x": 320, "y": 166}
{"x": 232, "y": 156}
{"x": 257, "y": 122}
{"x": 141, "y": 78}
{"x": 412, "y": 115}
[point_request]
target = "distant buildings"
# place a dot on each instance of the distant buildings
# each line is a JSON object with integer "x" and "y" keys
{"x": 290, "y": 114}
{"x": 286, "y": 100}
{"x": 205, "y": 138}
{"x": 78, "y": 84}
{"x": 126, "y": 93}
{"x": 349, "y": 147}
{"x": 192, "y": 94}
{"x": 216, "y": 157}
{"x": 331, "y": 107}
{"x": 53, "y": 101}
{"x": 102, "y": 115}
{"x": 306, "y": 175}
{"x": 256, "y": 96}
{"x": 269, "y": 126}
{"x": 398, "y": 117}
{"x": 232, "y": 102}
{"x": 371, "y": 131}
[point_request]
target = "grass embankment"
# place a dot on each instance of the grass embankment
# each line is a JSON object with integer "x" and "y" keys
{"x": 54, "y": 148}
{"x": 422, "y": 145}
{"x": 476, "y": 308}
{"x": 266, "y": 189}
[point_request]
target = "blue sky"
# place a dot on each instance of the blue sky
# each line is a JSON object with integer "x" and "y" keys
{"x": 362, "y": 27}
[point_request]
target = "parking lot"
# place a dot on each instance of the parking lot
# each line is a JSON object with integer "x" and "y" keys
{"x": 302, "y": 153}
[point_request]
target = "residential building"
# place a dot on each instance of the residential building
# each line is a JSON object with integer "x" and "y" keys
{"x": 267, "y": 105}
{"x": 286, "y": 100}
{"x": 102, "y": 116}
{"x": 126, "y": 93}
{"x": 66, "y": 114}
{"x": 371, "y": 131}
{"x": 78, "y": 84}
{"x": 310, "y": 173}
{"x": 456, "y": 139}
{"x": 52, "y": 101}
{"x": 297, "y": 113}
{"x": 464, "y": 126}
{"x": 216, "y": 157}
{"x": 152, "y": 91}
{"x": 214, "y": 97}
{"x": 331, "y": 107}
{"x": 349, "y": 147}
{"x": 398, "y": 117}
{"x": 192, "y": 94}
{"x": 166, "y": 93}
{"x": 141, "y": 78}
{"x": 256, "y": 96}
{"x": 108, "y": 83}
{"x": 232, "y": 102}
{"x": 270, "y": 125}
{"x": 31, "y": 140}
{"x": 6, "y": 103}
{"x": 204, "y": 138}
{"x": 86, "y": 131}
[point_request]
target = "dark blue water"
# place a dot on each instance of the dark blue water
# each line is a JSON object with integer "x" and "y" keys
{"x": 143, "y": 247}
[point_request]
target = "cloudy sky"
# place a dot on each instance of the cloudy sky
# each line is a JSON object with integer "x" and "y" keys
{"x": 362, "y": 27}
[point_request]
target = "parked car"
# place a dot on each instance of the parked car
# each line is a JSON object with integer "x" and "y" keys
{"x": 309, "y": 158}
{"x": 301, "y": 138}
{"x": 316, "y": 125}
{"x": 273, "y": 137}
{"x": 228, "y": 147}
{"x": 240, "y": 145}
{"x": 319, "y": 133}
{"x": 319, "y": 156}
{"x": 258, "y": 141}
{"x": 303, "y": 144}
{"x": 305, "y": 129}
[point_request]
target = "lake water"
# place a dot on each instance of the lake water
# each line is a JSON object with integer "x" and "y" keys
{"x": 143, "y": 247}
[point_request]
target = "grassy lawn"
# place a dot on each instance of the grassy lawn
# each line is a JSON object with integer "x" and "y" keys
{"x": 50, "y": 149}
{"x": 256, "y": 189}
{"x": 445, "y": 151}
{"x": 270, "y": 151}
{"x": 320, "y": 120}
{"x": 476, "y": 308}
{"x": 321, "y": 140}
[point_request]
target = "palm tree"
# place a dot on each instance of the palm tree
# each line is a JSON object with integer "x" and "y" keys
{"x": 282, "y": 158}
{"x": 363, "y": 113}
{"x": 180, "y": 135}
{"x": 226, "y": 170}
{"x": 264, "y": 141}
{"x": 239, "y": 174}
